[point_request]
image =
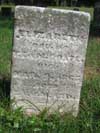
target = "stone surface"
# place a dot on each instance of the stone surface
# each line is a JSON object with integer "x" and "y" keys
{"x": 48, "y": 58}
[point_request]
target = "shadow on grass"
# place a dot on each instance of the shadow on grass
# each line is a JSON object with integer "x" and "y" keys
{"x": 5, "y": 88}
{"x": 7, "y": 21}
{"x": 94, "y": 30}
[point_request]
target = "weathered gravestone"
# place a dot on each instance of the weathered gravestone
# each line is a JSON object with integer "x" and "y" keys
{"x": 48, "y": 58}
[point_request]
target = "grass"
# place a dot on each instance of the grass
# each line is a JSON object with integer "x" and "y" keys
{"x": 88, "y": 120}
{"x": 15, "y": 121}
{"x": 5, "y": 45}
{"x": 92, "y": 67}
{"x": 93, "y": 53}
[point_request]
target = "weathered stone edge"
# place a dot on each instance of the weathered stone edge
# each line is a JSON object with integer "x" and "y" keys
{"x": 42, "y": 9}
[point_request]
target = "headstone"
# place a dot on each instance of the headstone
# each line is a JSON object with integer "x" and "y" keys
{"x": 48, "y": 58}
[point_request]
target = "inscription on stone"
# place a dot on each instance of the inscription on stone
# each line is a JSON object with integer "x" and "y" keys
{"x": 48, "y": 58}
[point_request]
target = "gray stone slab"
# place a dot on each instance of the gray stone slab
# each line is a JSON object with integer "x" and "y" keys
{"x": 48, "y": 58}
